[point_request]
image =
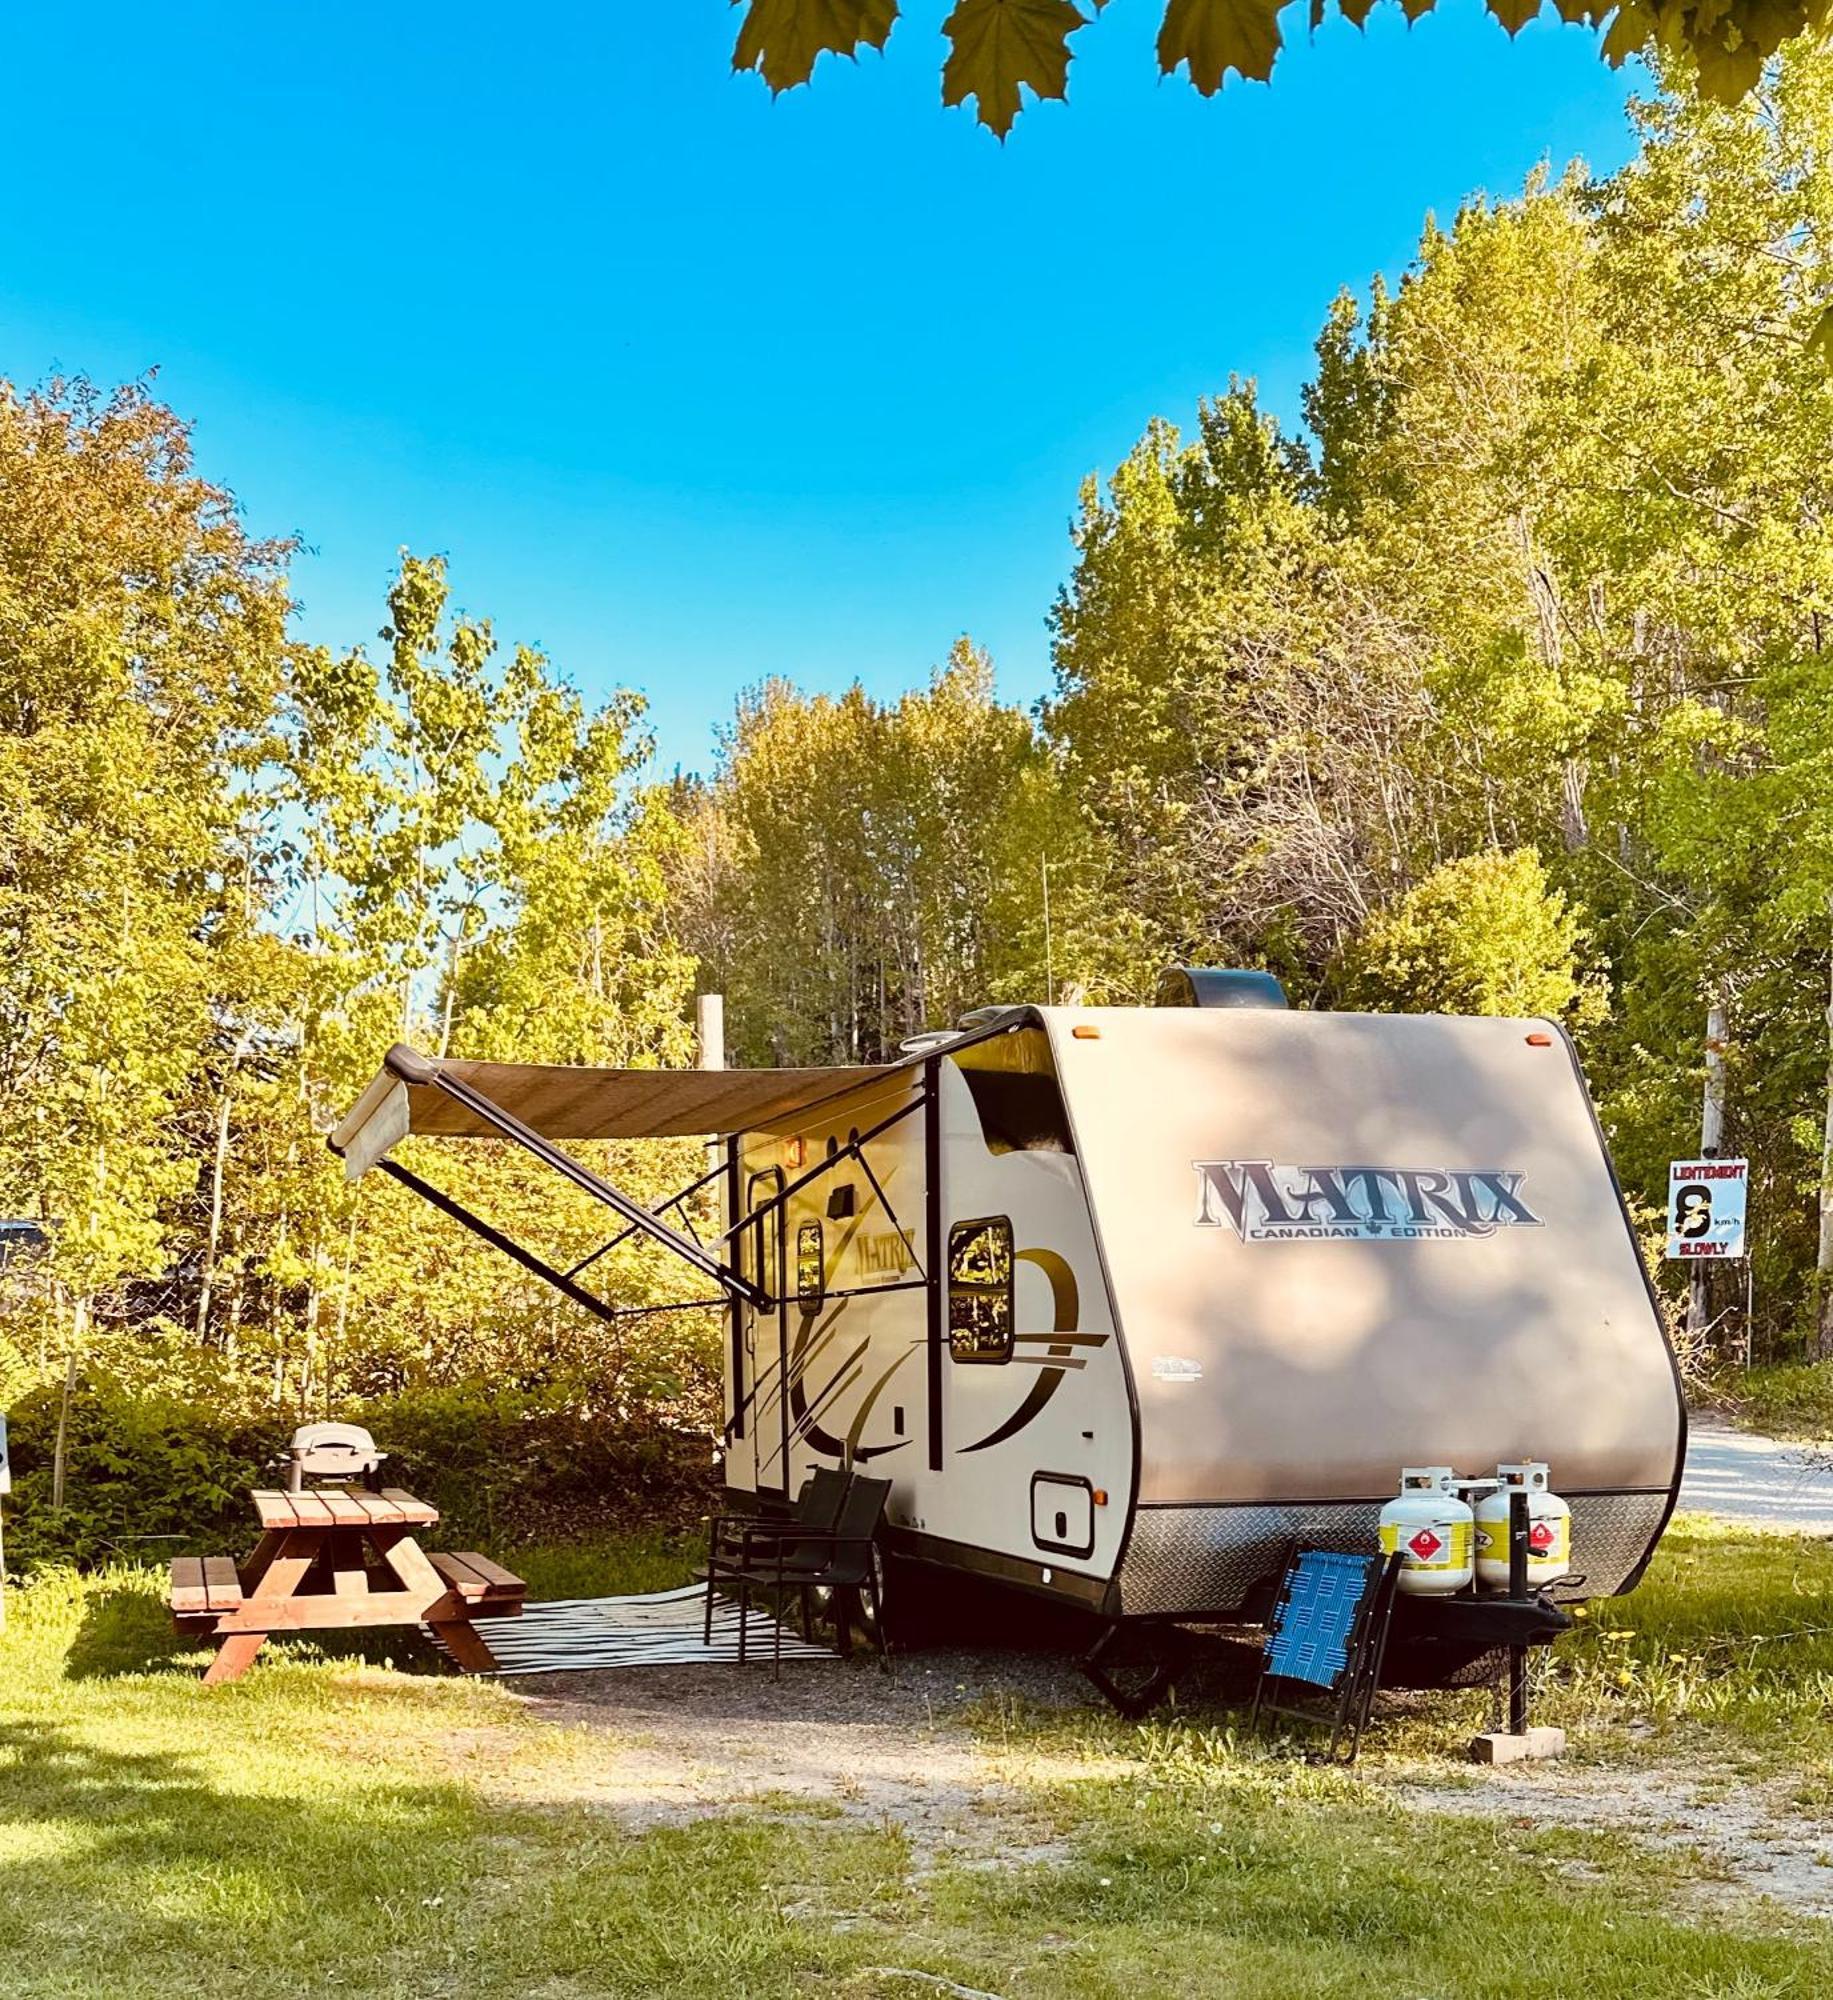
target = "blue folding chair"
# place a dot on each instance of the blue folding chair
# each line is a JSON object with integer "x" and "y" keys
{"x": 1328, "y": 1630}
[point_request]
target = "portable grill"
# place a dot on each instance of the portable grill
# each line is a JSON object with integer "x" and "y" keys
{"x": 341, "y": 1452}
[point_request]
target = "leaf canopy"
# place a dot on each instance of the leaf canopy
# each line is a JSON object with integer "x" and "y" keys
{"x": 998, "y": 49}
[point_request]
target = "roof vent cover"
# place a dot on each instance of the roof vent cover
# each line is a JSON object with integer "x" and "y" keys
{"x": 1217, "y": 986}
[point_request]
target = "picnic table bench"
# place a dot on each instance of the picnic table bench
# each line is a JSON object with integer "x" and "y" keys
{"x": 337, "y": 1559}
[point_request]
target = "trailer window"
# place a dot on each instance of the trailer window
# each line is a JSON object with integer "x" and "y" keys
{"x": 980, "y": 1290}
{"x": 763, "y": 1237}
{"x": 810, "y": 1286}
{"x": 1016, "y": 1094}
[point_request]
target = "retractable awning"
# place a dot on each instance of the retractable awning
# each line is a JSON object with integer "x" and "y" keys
{"x": 533, "y": 1105}
{"x": 561, "y": 1102}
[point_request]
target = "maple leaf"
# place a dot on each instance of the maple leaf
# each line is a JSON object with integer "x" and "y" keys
{"x": 1514, "y": 14}
{"x": 1628, "y": 33}
{"x": 1355, "y": 12}
{"x": 1215, "y": 36}
{"x": 995, "y": 46}
{"x": 784, "y": 38}
{"x": 1728, "y": 75}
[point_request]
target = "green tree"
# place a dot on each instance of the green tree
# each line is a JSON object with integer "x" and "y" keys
{"x": 142, "y": 647}
{"x": 1484, "y": 934}
{"x": 866, "y": 870}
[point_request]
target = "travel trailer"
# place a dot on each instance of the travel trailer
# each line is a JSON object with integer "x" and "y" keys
{"x": 1126, "y": 1301}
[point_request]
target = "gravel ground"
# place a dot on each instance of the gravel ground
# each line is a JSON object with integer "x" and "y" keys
{"x": 693, "y": 1740}
{"x": 1757, "y": 1481}
{"x": 901, "y": 1749}
{"x": 1758, "y": 1842}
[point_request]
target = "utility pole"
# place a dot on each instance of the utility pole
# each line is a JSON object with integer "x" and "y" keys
{"x": 1711, "y": 1144}
{"x": 710, "y": 1036}
{"x": 1822, "y": 1349}
{"x": 710, "y": 1030}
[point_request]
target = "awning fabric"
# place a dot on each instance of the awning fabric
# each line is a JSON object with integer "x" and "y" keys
{"x": 561, "y": 1102}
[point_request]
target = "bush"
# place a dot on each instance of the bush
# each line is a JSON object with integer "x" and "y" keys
{"x": 147, "y": 1474}
{"x": 1788, "y": 1399}
{"x": 1485, "y": 934}
{"x": 150, "y": 1474}
{"x": 504, "y": 1466}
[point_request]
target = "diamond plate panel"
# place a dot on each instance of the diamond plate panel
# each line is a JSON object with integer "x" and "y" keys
{"x": 1203, "y": 1561}
{"x": 1610, "y": 1536}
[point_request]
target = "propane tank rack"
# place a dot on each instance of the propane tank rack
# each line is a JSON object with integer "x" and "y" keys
{"x": 1435, "y": 1637}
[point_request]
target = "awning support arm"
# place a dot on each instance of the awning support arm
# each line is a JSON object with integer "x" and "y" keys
{"x": 497, "y": 1240}
{"x": 421, "y": 1072}
{"x": 630, "y": 1229}
{"x": 884, "y": 1202}
{"x": 673, "y": 1306}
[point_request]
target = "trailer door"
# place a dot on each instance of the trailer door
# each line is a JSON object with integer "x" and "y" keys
{"x": 765, "y": 1337}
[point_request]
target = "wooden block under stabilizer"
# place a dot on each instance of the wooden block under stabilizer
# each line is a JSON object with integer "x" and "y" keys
{"x": 1497, "y": 1746}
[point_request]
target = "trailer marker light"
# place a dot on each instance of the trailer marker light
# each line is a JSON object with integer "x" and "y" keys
{"x": 1100, "y": 1496}
{"x": 1539, "y": 1041}
{"x": 1085, "y": 1033}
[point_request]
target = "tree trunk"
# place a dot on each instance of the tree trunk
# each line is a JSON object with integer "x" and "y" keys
{"x": 308, "y": 1366}
{"x": 1823, "y": 1262}
{"x": 214, "y": 1236}
{"x": 79, "y": 1328}
{"x": 450, "y": 997}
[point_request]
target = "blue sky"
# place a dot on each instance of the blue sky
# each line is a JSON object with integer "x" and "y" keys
{"x": 690, "y": 386}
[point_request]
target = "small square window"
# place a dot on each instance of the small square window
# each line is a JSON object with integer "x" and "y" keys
{"x": 811, "y": 1285}
{"x": 980, "y": 1307}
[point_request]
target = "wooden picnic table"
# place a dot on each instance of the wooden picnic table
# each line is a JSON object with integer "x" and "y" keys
{"x": 335, "y": 1559}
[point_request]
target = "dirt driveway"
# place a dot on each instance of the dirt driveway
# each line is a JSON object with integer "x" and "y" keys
{"x": 839, "y": 1735}
{"x": 926, "y": 1751}
{"x": 1757, "y": 1482}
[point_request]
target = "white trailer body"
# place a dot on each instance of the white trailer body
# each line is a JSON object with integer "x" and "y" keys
{"x": 1125, "y": 1301}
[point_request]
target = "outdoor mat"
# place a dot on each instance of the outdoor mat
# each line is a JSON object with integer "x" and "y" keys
{"x": 661, "y": 1629}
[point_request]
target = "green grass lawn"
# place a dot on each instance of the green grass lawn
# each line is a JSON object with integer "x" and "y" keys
{"x": 330, "y": 1826}
{"x": 1728, "y": 1639}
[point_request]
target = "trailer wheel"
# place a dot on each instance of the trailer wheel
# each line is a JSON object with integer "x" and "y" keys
{"x": 860, "y": 1618}
{"x": 861, "y": 1610}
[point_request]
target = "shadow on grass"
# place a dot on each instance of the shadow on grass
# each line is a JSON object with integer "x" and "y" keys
{"x": 124, "y": 1632}
{"x": 146, "y": 1845}
{"x": 130, "y": 1631}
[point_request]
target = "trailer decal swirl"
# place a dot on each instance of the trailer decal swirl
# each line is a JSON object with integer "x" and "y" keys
{"x": 1059, "y": 1347}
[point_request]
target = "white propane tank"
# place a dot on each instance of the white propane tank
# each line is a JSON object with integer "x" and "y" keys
{"x": 1431, "y": 1528}
{"x": 1549, "y": 1551}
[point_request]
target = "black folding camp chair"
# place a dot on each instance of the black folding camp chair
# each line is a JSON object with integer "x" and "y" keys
{"x": 737, "y": 1543}
{"x": 842, "y": 1561}
{"x": 1328, "y": 1631}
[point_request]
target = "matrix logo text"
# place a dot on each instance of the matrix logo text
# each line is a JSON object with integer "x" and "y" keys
{"x": 1264, "y": 1202}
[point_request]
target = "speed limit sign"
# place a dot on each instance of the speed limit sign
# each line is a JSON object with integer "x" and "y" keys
{"x": 1706, "y": 1208}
